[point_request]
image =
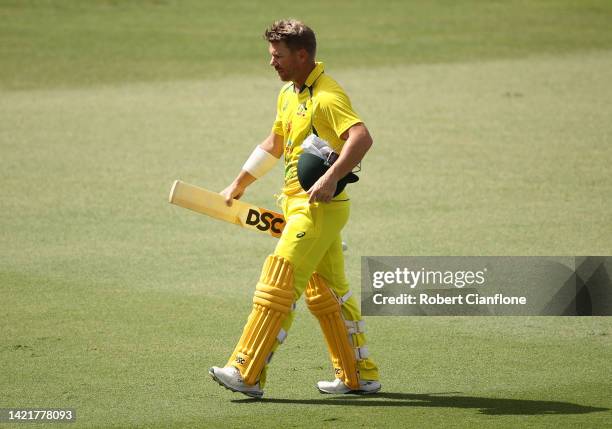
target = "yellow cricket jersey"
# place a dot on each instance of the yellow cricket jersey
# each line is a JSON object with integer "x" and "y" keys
{"x": 321, "y": 107}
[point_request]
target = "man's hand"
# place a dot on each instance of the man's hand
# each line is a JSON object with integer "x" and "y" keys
{"x": 323, "y": 190}
{"x": 273, "y": 144}
{"x": 358, "y": 142}
{"x": 233, "y": 191}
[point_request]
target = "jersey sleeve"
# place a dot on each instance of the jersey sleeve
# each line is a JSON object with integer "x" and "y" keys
{"x": 338, "y": 111}
{"x": 277, "y": 127}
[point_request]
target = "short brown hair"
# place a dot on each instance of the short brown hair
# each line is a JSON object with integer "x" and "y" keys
{"x": 294, "y": 33}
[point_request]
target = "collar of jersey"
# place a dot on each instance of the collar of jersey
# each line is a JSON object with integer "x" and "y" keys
{"x": 314, "y": 75}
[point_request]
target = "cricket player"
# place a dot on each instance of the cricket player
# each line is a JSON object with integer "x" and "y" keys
{"x": 308, "y": 258}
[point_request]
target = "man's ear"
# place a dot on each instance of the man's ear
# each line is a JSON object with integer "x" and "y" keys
{"x": 303, "y": 55}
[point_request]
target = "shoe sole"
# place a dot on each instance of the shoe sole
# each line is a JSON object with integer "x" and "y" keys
{"x": 350, "y": 392}
{"x": 221, "y": 383}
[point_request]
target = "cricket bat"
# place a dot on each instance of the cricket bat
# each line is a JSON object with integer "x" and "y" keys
{"x": 213, "y": 204}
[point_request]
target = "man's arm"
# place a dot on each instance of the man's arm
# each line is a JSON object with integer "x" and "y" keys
{"x": 273, "y": 144}
{"x": 358, "y": 142}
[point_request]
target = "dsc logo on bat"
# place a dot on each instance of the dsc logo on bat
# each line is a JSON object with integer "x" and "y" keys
{"x": 265, "y": 221}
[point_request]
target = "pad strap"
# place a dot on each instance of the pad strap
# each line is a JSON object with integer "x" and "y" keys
{"x": 362, "y": 353}
{"x": 282, "y": 334}
{"x": 345, "y": 297}
{"x": 355, "y": 326}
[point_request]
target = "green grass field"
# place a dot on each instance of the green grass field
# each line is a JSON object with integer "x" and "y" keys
{"x": 492, "y": 133}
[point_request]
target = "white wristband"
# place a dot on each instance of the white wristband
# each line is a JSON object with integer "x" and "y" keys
{"x": 259, "y": 163}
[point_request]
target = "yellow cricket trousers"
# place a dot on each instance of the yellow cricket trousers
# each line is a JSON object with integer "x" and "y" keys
{"x": 311, "y": 241}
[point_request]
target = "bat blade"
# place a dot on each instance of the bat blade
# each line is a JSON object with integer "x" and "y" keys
{"x": 213, "y": 204}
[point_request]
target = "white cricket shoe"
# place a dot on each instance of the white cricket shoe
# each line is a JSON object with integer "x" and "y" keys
{"x": 366, "y": 387}
{"x": 230, "y": 378}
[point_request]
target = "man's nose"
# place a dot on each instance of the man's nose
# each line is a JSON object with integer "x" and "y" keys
{"x": 272, "y": 62}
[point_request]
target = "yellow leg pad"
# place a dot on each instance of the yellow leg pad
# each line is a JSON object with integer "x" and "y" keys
{"x": 324, "y": 305}
{"x": 272, "y": 302}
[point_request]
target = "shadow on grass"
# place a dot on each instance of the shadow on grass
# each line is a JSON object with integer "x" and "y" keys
{"x": 489, "y": 406}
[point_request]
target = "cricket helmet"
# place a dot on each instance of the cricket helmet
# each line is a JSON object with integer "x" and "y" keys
{"x": 311, "y": 167}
